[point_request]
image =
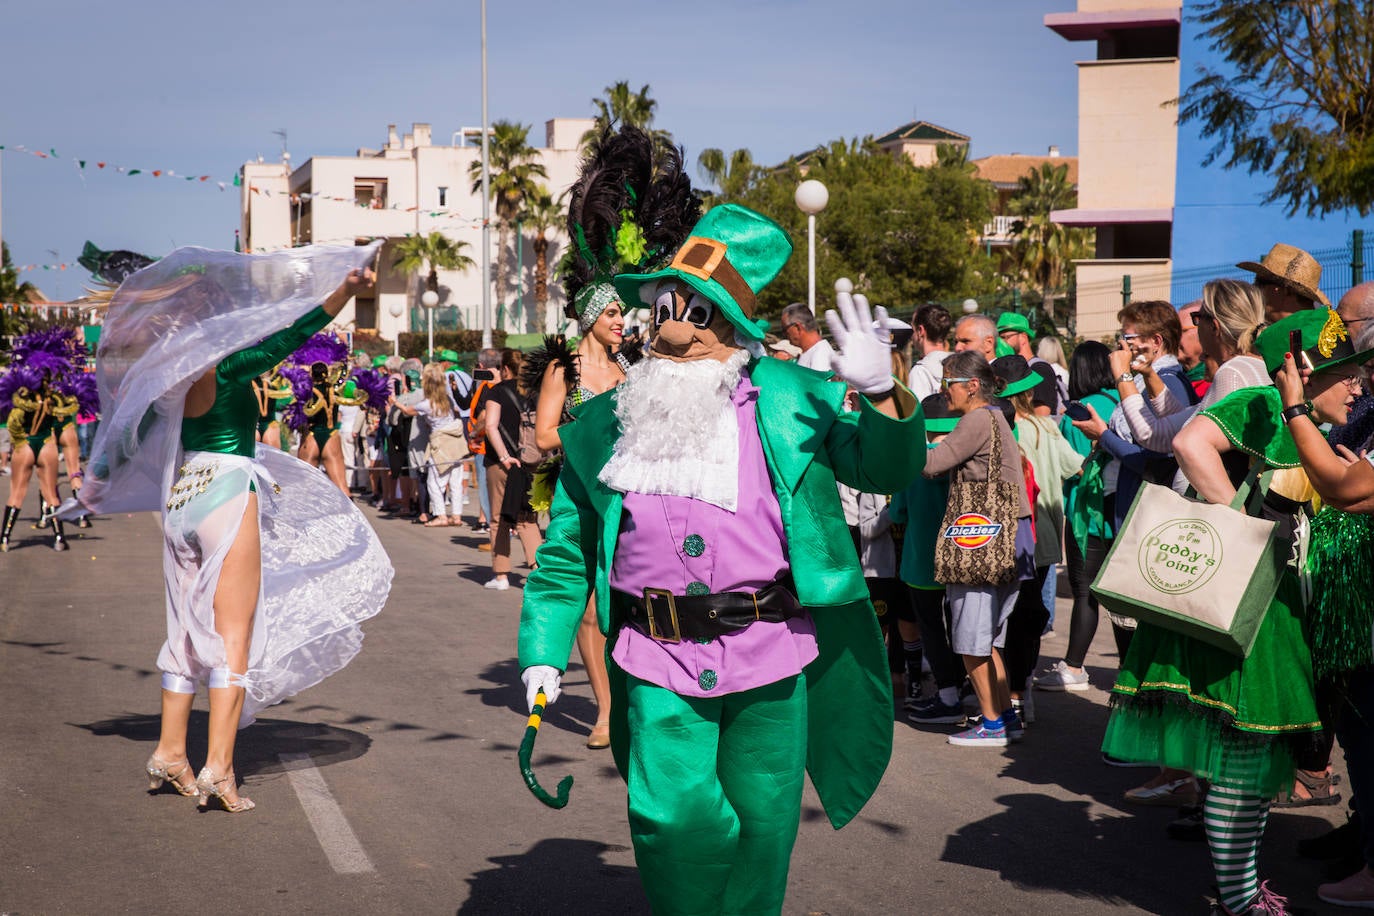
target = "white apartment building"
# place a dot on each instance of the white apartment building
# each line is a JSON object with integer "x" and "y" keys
{"x": 409, "y": 187}
{"x": 1127, "y": 151}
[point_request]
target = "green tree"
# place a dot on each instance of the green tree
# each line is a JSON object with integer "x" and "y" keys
{"x": 621, "y": 107}
{"x": 542, "y": 213}
{"x": 428, "y": 254}
{"x": 12, "y": 292}
{"x": 1043, "y": 250}
{"x": 731, "y": 175}
{"x": 514, "y": 166}
{"x": 1292, "y": 100}
{"x": 903, "y": 234}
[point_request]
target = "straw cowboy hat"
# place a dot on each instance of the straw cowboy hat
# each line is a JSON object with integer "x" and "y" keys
{"x": 1292, "y": 268}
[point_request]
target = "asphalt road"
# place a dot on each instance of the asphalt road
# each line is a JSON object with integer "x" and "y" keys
{"x": 393, "y": 786}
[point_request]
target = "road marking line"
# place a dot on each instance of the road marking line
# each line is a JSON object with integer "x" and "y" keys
{"x": 337, "y": 839}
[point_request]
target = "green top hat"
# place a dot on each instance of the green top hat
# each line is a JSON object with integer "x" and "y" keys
{"x": 378, "y": 361}
{"x": 1010, "y": 321}
{"x": 1325, "y": 340}
{"x": 448, "y": 356}
{"x": 731, "y": 255}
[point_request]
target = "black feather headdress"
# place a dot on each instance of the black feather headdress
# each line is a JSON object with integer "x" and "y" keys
{"x": 631, "y": 208}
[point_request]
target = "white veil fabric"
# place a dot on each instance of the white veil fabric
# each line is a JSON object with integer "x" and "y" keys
{"x": 167, "y": 325}
{"x": 324, "y": 571}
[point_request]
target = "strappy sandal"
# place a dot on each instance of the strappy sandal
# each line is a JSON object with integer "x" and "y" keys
{"x": 219, "y": 788}
{"x": 177, "y": 774}
{"x": 1321, "y": 791}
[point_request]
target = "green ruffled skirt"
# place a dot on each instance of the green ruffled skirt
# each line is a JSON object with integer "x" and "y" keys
{"x": 1234, "y": 721}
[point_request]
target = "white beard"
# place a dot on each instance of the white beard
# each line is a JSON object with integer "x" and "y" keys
{"x": 680, "y": 433}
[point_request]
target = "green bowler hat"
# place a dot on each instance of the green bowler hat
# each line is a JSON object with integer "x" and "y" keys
{"x": 1325, "y": 340}
{"x": 378, "y": 361}
{"x": 448, "y": 356}
{"x": 731, "y": 255}
{"x": 1010, "y": 321}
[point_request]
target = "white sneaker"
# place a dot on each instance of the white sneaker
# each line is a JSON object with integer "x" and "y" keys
{"x": 1060, "y": 676}
{"x": 500, "y": 584}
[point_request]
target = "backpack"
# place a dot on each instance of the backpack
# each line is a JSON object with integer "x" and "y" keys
{"x": 1061, "y": 393}
{"x": 476, "y": 435}
{"x": 527, "y": 450}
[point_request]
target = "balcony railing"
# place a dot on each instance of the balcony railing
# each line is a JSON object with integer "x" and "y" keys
{"x": 999, "y": 230}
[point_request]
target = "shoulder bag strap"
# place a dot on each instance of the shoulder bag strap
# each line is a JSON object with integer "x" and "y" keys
{"x": 995, "y": 460}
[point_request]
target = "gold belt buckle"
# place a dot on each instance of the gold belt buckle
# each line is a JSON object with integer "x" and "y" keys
{"x": 649, "y": 595}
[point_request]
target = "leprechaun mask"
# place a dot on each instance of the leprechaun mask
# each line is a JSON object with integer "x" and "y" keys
{"x": 688, "y": 326}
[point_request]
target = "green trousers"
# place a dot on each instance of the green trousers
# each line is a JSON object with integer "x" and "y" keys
{"x": 715, "y": 789}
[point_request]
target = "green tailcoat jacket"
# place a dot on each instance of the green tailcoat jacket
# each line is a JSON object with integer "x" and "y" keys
{"x": 809, "y": 443}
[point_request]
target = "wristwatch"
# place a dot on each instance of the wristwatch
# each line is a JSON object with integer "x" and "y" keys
{"x": 1126, "y": 377}
{"x": 1297, "y": 410}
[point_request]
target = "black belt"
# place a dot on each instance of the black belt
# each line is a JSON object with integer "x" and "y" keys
{"x": 666, "y": 617}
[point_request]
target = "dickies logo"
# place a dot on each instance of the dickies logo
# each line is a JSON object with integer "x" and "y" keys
{"x": 972, "y": 530}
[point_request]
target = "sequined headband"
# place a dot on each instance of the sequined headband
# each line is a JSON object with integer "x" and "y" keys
{"x": 591, "y": 302}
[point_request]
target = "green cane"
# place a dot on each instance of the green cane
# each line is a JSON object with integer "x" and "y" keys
{"x": 527, "y": 748}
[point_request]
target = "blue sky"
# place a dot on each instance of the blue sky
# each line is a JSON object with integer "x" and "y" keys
{"x": 199, "y": 89}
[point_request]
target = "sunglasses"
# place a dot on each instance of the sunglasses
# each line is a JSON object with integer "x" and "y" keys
{"x": 1128, "y": 337}
{"x": 946, "y": 382}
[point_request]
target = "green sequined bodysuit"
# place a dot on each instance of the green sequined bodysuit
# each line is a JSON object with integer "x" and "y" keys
{"x": 229, "y": 425}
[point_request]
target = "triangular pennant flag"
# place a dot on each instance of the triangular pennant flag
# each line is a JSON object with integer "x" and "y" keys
{"x": 81, "y": 163}
{"x": 221, "y": 185}
{"x": 238, "y": 179}
{"x": 157, "y": 173}
{"x": 135, "y": 171}
{"x": 100, "y": 165}
{"x": 54, "y": 153}
{"x": 204, "y": 177}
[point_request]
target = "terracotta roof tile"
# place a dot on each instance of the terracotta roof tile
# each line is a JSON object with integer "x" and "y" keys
{"x": 1007, "y": 169}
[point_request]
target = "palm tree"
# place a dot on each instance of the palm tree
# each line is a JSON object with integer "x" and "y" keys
{"x": 623, "y": 107}
{"x": 732, "y": 175}
{"x": 514, "y": 166}
{"x": 1044, "y": 250}
{"x": 542, "y": 213}
{"x": 429, "y": 254}
{"x": 13, "y": 292}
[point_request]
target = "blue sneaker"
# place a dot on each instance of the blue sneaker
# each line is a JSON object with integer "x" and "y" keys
{"x": 980, "y": 736}
{"x": 1015, "y": 728}
{"x": 930, "y": 711}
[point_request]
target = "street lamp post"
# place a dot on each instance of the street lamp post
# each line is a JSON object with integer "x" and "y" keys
{"x": 486, "y": 196}
{"x": 429, "y": 300}
{"x": 397, "y": 309}
{"x": 811, "y": 198}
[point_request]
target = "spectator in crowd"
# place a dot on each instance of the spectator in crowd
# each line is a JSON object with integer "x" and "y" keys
{"x": 444, "y": 445}
{"x": 1290, "y": 280}
{"x": 1015, "y": 331}
{"x": 979, "y": 613}
{"x": 1052, "y": 351}
{"x": 932, "y": 325}
{"x": 1052, "y": 461}
{"x": 919, "y": 508}
{"x": 1191, "y": 355}
{"x": 800, "y": 328}
{"x": 977, "y": 333}
{"x": 501, "y": 408}
{"x": 486, "y": 375}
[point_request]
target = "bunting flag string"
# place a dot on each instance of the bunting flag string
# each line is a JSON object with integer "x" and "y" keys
{"x": 236, "y": 181}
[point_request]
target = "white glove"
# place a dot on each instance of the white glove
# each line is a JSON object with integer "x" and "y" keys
{"x": 864, "y": 359}
{"x": 546, "y": 676}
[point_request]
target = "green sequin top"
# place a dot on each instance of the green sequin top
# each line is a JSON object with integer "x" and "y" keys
{"x": 229, "y": 426}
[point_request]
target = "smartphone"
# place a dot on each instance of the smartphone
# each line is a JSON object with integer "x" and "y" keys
{"x": 484, "y": 375}
{"x": 1295, "y": 347}
{"x": 396, "y": 386}
{"x": 1075, "y": 410}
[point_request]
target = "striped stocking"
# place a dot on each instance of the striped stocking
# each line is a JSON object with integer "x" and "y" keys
{"x": 1235, "y": 825}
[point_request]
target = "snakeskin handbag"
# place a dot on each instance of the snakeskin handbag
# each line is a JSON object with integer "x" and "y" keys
{"x": 977, "y": 542}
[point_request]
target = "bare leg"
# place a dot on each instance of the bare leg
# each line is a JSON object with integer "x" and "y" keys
{"x": 309, "y": 451}
{"x": 236, "y": 600}
{"x": 21, "y": 469}
{"x": 272, "y": 436}
{"x": 47, "y": 472}
{"x": 989, "y": 683}
{"x": 332, "y": 459}
{"x": 176, "y": 714}
{"x": 591, "y": 645}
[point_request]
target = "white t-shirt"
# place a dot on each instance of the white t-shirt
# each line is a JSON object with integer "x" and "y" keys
{"x": 820, "y": 356}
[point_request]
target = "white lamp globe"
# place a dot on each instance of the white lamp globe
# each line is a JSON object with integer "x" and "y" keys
{"x": 396, "y": 309}
{"x": 811, "y": 197}
{"x": 970, "y": 306}
{"x": 430, "y": 299}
